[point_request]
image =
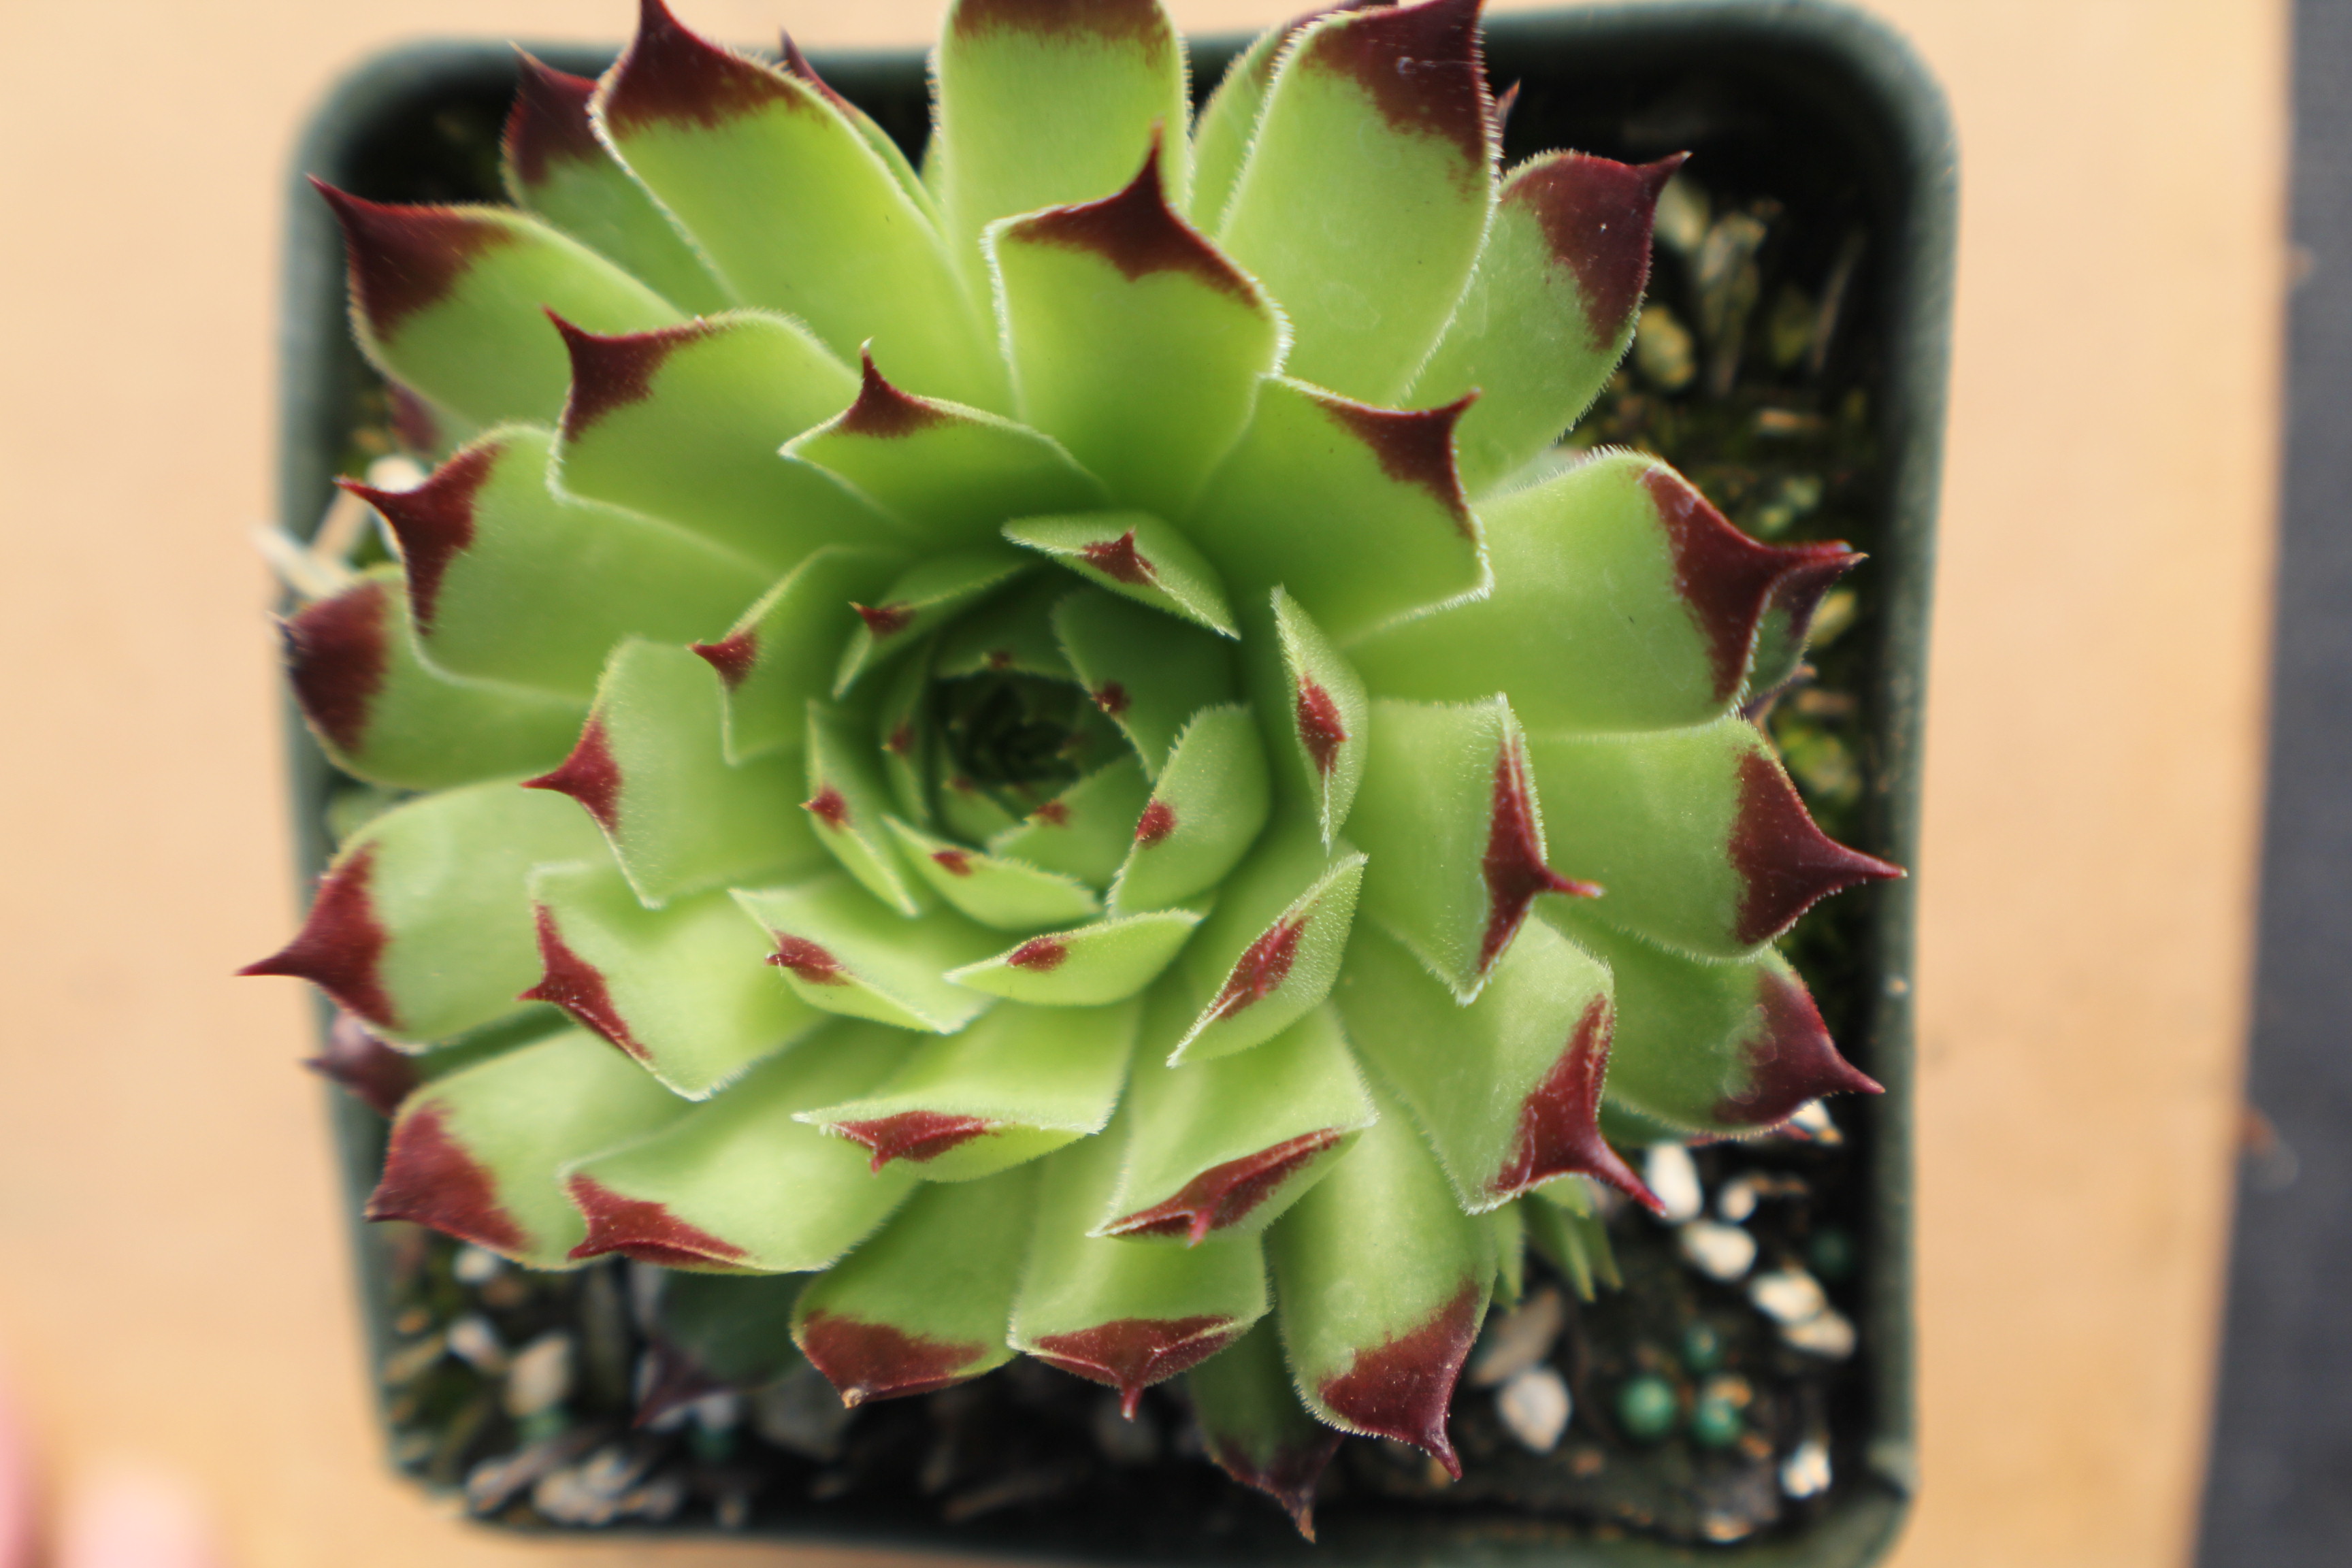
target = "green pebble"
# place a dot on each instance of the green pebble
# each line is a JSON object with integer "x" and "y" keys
{"x": 1831, "y": 1253}
{"x": 1647, "y": 1408}
{"x": 1702, "y": 1348}
{"x": 1716, "y": 1423}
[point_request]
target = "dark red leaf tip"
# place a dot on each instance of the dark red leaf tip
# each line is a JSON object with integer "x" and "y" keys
{"x": 1157, "y": 821}
{"x": 1514, "y": 863}
{"x": 797, "y": 66}
{"x": 733, "y": 657}
{"x": 416, "y": 423}
{"x": 1133, "y": 1354}
{"x": 569, "y": 982}
{"x": 1789, "y": 1059}
{"x": 867, "y": 1361}
{"x": 1041, "y": 954}
{"x": 359, "y": 1060}
{"x": 1400, "y": 1389}
{"x": 341, "y": 945}
{"x": 1560, "y": 1121}
{"x": 1320, "y": 729}
{"x": 884, "y": 620}
{"x": 1288, "y": 1474}
{"x": 434, "y": 523}
{"x": 1813, "y": 572}
{"x": 1118, "y": 560}
{"x": 549, "y": 123}
{"x": 883, "y": 412}
{"x": 1422, "y": 66}
{"x": 336, "y": 656}
{"x": 1413, "y": 447}
{"x": 806, "y": 960}
{"x": 611, "y": 372}
{"x": 1111, "y": 697}
{"x": 670, "y": 74}
{"x": 827, "y": 807}
{"x": 1140, "y": 234}
{"x": 919, "y": 1136}
{"x": 643, "y": 1230}
{"x": 1786, "y": 863}
{"x": 1262, "y": 968}
{"x": 954, "y": 862}
{"x": 591, "y": 775}
{"x": 1596, "y": 215}
{"x": 404, "y": 260}
{"x": 1139, "y": 22}
{"x": 430, "y": 1177}
{"x": 1052, "y": 814}
{"x": 1224, "y": 1195}
{"x": 901, "y": 742}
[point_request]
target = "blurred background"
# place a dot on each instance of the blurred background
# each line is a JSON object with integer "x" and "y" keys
{"x": 175, "y": 1289}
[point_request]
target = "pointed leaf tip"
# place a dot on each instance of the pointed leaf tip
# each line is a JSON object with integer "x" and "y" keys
{"x": 1596, "y": 215}
{"x": 1403, "y": 1389}
{"x": 1224, "y": 1195}
{"x": 572, "y": 983}
{"x": 1423, "y": 66}
{"x": 1138, "y": 233}
{"x": 591, "y": 775}
{"x": 549, "y": 123}
{"x": 1514, "y": 863}
{"x": 434, "y": 523}
{"x": 916, "y": 1136}
{"x": 882, "y": 411}
{"x": 1786, "y": 863}
{"x": 1790, "y": 1060}
{"x": 1130, "y": 1354}
{"x": 355, "y": 1058}
{"x": 404, "y": 260}
{"x": 341, "y": 944}
{"x": 1560, "y": 1125}
{"x": 612, "y": 372}
{"x": 867, "y": 1361}
{"x": 336, "y": 657}
{"x": 670, "y": 74}
{"x": 1413, "y": 447}
{"x": 430, "y": 1178}
{"x": 733, "y": 657}
{"x": 642, "y": 1230}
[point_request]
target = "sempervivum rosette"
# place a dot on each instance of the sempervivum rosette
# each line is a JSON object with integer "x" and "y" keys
{"x": 1034, "y": 743}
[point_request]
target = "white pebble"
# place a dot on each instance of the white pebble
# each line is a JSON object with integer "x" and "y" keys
{"x": 472, "y": 1339}
{"x": 477, "y": 1266}
{"x": 1806, "y": 1471}
{"x": 1674, "y": 1177}
{"x": 1518, "y": 1340}
{"x": 1788, "y": 1296}
{"x": 1734, "y": 1201}
{"x": 719, "y": 1411}
{"x": 1535, "y": 1407}
{"x": 1827, "y": 1334}
{"x": 1811, "y": 1120}
{"x": 395, "y": 473}
{"x": 542, "y": 1376}
{"x": 1718, "y": 1251}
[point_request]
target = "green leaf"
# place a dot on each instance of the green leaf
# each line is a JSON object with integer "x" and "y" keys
{"x": 785, "y": 650}
{"x": 1355, "y": 510}
{"x": 1512, "y": 1098}
{"x": 1117, "y": 1313}
{"x": 684, "y": 425}
{"x": 508, "y": 581}
{"x": 893, "y": 157}
{"x": 999, "y": 892}
{"x": 1085, "y": 966}
{"x": 1574, "y": 1241}
{"x": 452, "y": 302}
{"x": 382, "y": 714}
{"x": 1380, "y": 1285}
{"x": 651, "y": 768}
{"x": 1254, "y": 1427}
{"x": 844, "y": 952}
{"x": 793, "y": 208}
{"x": 1136, "y": 555}
{"x": 1331, "y": 718}
{"x": 709, "y": 1331}
{"x": 1227, "y": 1146}
{"x": 1271, "y": 952}
{"x": 1549, "y": 310}
{"x": 849, "y": 804}
{"x": 1012, "y": 635}
{"x": 1227, "y": 123}
{"x": 1133, "y": 341}
{"x": 971, "y": 812}
{"x": 1020, "y": 1083}
{"x": 927, "y": 596}
{"x": 1086, "y": 830}
{"x": 682, "y": 989}
{"x": 1150, "y": 673}
{"x": 1510, "y": 1225}
{"x": 1368, "y": 189}
{"x": 1787, "y": 623}
{"x": 925, "y": 1302}
{"x": 478, "y": 1155}
{"x": 908, "y": 742}
{"x": 1205, "y": 812}
{"x": 736, "y": 1183}
{"x": 421, "y": 925}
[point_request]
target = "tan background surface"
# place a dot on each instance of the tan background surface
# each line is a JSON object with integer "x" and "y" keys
{"x": 172, "y": 1281}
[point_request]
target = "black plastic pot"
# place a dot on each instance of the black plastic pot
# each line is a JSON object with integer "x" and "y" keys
{"x": 1813, "y": 94}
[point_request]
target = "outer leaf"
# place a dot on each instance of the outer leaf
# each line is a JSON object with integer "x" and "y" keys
{"x": 1549, "y": 310}
{"x": 785, "y": 650}
{"x": 1356, "y": 510}
{"x": 1272, "y": 950}
{"x": 1701, "y": 839}
{"x": 893, "y": 157}
{"x": 1227, "y": 1146}
{"x": 1510, "y": 1230}
{"x": 1227, "y": 123}
{"x": 681, "y": 989}
{"x": 1379, "y": 125}
{"x": 1086, "y": 830}
{"x": 382, "y": 714}
{"x": 1134, "y": 555}
{"x": 710, "y": 1333}
{"x": 931, "y": 593}
{"x": 450, "y": 301}
{"x": 1021, "y": 1082}
{"x": 1256, "y": 1429}
{"x": 1381, "y": 1283}
{"x": 1117, "y": 1313}
{"x": 477, "y": 1154}
{"x": 736, "y": 1182}
{"x": 1087, "y": 965}
{"x": 848, "y": 806}
{"x": 651, "y": 769}
{"x": 1329, "y": 716}
{"x": 1207, "y": 809}
{"x": 1133, "y": 341}
{"x": 1002, "y": 893}
{"x": 845, "y": 953}
{"x": 1574, "y": 1238}
{"x": 421, "y": 925}
{"x": 1149, "y": 672}
{"x": 508, "y": 581}
{"x": 924, "y": 1302}
{"x": 1789, "y": 619}
{"x": 791, "y": 208}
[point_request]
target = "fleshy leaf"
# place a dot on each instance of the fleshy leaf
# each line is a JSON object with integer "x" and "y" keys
{"x": 785, "y": 650}
{"x": 1507, "y": 1088}
{"x": 1272, "y": 950}
{"x": 1086, "y": 830}
{"x": 1117, "y": 1313}
{"x": 1012, "y": 635}
{"x": 1702, "y": 842}
{"x": 1226, "y": 1146}
{"x": 847, "y": 954}
{"x": 554, "y": 166}
{"x": 736, "y": 1182}
{"x": 477, "y": 1154}
{"x": 421, "y": 925}
{"x": 451, "y": 302}
{"x": 384, "y": 715}
{"x": 1150, "y": 672}
{"x": 369, "y": 1068}
{"x": 1509, "y": 1226}
{"x": 509, "y": 581}
{"x": 1621, "y": 600}
{"x": 1227, "y": 123}
{"x": 949, "y": 474}
{"x": 1331, "y": 718}
{"x": 925, "y": 1301}
{"x": 1134, "y": 555}
{"x": 905, "y": 724}
{"x": 1380, "y": 1285}
{"x": 1549, "y": 310}
{"x": 1133, "y": 341}
{"x": 1020, "y": 1083}
{"x": 1571, "y": 1236}
{"x": 1356, "y": 510}
{"x": 971, "y": 812}
{"x": 1449, "y": 815}
{"x": 684, "y": 425}
{"x": 793, "y": 209}
{"x": 682, "y": 989}
{"x": 1205, "y": 812}
{"x": 1721, "y": 1049}
{"x": 710, "y": 1333}
{"x": 1087, "y": 965}
{"x": 1254, "y": 1427}
{"x": 893, "y": 156}
{"x": 997, "y": 891}
{"x": 848, "y": 805}
{"x": 1789, "y": 619}
{"x": 651, "y": 769}
{"x": 930, "y": 593}
{"x": 1378, "y": 123}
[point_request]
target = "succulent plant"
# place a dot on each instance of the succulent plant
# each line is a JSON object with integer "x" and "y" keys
{"x": 1040, "y": 743}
